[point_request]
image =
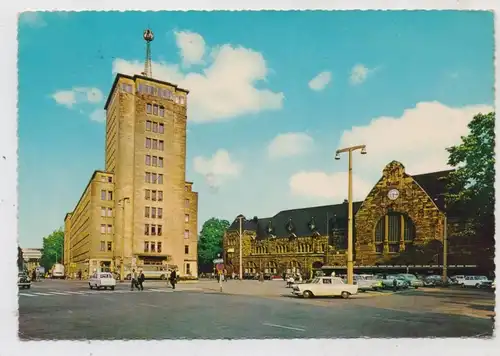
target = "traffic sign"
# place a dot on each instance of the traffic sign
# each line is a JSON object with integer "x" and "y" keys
{"x": 218, "y": 260}
{"x": 220, "y": 266}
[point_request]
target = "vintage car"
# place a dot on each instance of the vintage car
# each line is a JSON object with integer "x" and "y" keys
{"x": 102, "y": 280}
{"x": 23, "y": 281}
{"x": 366, "y": 283}
{"x": 411, "y": 280}
{"x": 388, "y": 281}
{"x": 477, "y": 281}
{"x": 325, "y": 287}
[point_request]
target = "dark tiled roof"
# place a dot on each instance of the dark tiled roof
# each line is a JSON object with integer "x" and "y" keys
{"x": 433, "y": 183}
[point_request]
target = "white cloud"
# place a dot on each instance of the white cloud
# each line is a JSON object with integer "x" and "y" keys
{"x": 69, "y": 98}
{"x": 32, "y": 19}
{"x": 359, "y": 73}
{"x": 289, "y": 144}
{"x": 224, "y": 89}
{"x": 218, "y": 168}
{"x": 329, "y": 188}
{"x": 98, "y": 115}
{"x": 192, "y": 47}
{"x": 320, "y": 81}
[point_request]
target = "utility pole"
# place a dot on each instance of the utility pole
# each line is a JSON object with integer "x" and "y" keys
{"x": 240, "y": 217}
{"x": 350, "y": 264}
{"x": 445, "y": 247}
{"x": 122, "y": 262}
{"x": 327, "y": 237}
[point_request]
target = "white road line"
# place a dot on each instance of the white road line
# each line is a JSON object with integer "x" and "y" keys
{"x": 78, "y": 293}
{"x": 27, "y": 295}
{"x": 150, "y": 305}
{"x": 41, "y": 293}
{"x": 59, "y": 293}
{"x": 161, "y": 290}
{"x": 283, "y": 327}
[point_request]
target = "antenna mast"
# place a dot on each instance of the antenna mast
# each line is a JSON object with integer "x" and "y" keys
{"x": 148, "y": 37}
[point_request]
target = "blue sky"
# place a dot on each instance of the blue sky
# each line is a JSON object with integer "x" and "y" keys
{"x": 273, "y": 94}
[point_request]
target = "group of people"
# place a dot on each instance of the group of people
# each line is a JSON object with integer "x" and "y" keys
{"x": 137, "y": 279}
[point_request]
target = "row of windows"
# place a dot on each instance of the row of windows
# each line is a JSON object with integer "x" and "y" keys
{"x": 127, "y": 88}
{"x": 106, "y": 229}
{"x": 162, "y": 93}
{"x": 155, "y": 127}
{"x": 152, "y": 246}
{"x": 155, "y": 144}
{"x": 155, "y": 110}
{"x": 106, "y": 246}
{"x": 106, "y": 212}
{"x": 154, "y": 178}
{"x": 154, "y": 161}
{"x": 153, "y": 195}
{"x": 301, "y": 248}
{"x": 106, "y": 195}
{"x": 153, "y": 212}
{"x": 106, "y": 179}
{"x": 153, "y": 229}
{"x": 399, "y": 228}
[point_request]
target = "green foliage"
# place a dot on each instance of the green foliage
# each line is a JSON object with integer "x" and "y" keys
{"x": 210, "y": 242}
{"x": 472, "y": 183}
{"x": 52, "y": 249}
{"x": 20, "y": 259}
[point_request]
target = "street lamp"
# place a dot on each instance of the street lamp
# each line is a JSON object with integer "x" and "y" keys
{"x": 240, "y": 218}
{"x": 445, "y": 239}
{"x": 349, "y": 150}
{"x": 121, "y": 203}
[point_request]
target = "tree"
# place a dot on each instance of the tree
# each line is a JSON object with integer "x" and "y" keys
{"x": 52, "y": 249}
{"x": 20, "y": 259}
{"x": 210, "y": 241}
{"x": 471, "y": 185}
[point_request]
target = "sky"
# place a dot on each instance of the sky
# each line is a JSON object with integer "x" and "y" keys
{"x": 272, "y": 96}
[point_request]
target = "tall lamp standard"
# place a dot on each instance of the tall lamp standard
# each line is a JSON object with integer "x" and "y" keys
{"x": 240, "y": 218}
{"x": 121, "y": 202}
{"x": 445, "y": 239}
{"x": 349, "y": 150}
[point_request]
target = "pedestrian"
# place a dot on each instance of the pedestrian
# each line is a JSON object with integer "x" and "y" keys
{"x": 33, "y": 276}
{"x": 233, "y": 275}
{"x": 133, "y": 280}
{"x": 80, "y": 275}
{"x": 173, "y": 278}
{"x": 141, "y": 279}
{"x": 395, "y": 285}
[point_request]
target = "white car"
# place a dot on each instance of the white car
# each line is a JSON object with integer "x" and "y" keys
{"x": 325, "y": 287}
{"x": 476, "y": 281}
{"x": 388, "y": 281}
{"x": 102, "y": 280}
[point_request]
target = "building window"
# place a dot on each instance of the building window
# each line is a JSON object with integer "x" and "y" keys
{"x": 103, "y": 211}
{"x": 160, "y": 195}
{"x": 148, "y": 108}
{"x": 161, "y": 128}
{"x": 146, "y": 246}
{"x": 161, "y": 146}
{"x": 186, "y": 249}
{"x": 148, "y": 160}
{"x": 159, "y": 230}
{"x": 160, "y": 213}
{"x": 103, "y": 228}
{"x": 110, "y": 229}
{"x": 110, "y": 246}
{"x": 162, "y": 111}
{"x": 186, "y": 234}
{"x": 158, "y": 247}
{"x": 186, "y": 203}
{"x": 154, "y": 178}
{"x": 152, "y": 247}
{"x": 153, "y": 230}
{"x": 155, "y": 110}
{"x": 148, "y": 125}
{"x": 153, "y": 196}
{"x": 110, "y": 195}
{"x": 188, "y": 269}
{"x": 399, "y": 228}
{"x": 147, "y": 194}
{"x": 160, "y": 178}
{"x": 160, "y": 162}
{"x": 110, "y": 212}
{"x": 186, "y": 218}
{"x": 146, "y": 229}
{"x": 155, "y": 144}
{"x": 153, "y": 213}
{"x": 103, "y": 195}
{"x": 103, "y": 245}
{"x": 110, "y": 179}
{"x": 146, "y": 212}
{"x": 155, "y": 161}
{"x": 148, "y": 142}
{"x": 147, "y": 177}
{"x": 155, "y": 127}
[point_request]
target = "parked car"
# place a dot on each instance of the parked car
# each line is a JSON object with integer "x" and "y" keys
{"x": 325, "y": 287}
{"x": 477, "y": 282}
{"x": 102, "y": 280}
{"x": 458, "y": 279}
{"x": 388, "y": 281}
{"x": 23, "y": 281}
{"x": 364, "y": 283}
{"x": 411, "y": 280}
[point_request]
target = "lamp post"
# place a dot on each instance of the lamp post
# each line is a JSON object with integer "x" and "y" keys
{"x": 122, "y": 203}
{"x": 349, "y": 150}
{"x": 240, "y": 218}
{"x": 445, "y": 239}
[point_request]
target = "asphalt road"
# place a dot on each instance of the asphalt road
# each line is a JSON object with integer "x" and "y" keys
{"x": 68, "y": 310}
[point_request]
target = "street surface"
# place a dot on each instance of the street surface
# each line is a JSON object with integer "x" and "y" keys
{"x": 245, "y": 310}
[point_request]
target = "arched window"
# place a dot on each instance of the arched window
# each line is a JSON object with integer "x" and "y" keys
{"x": 396, "y": 228}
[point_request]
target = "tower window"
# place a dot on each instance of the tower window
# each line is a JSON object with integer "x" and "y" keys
{"x": 155, "y": 110}
{"x": 162, "y": 111}
{"x": 149, "y": 108}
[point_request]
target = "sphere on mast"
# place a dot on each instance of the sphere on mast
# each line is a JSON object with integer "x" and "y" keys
{"x": 148, "y": 35}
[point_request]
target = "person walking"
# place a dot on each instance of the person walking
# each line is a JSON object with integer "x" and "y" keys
{"x": 395, "y": 285}
{"x": 173, "y": 278}
{"x": 133, "y": 280}
{"x": 140, "y": 280}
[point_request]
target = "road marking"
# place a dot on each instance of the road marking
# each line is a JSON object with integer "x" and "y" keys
{"x": 283, "y": 327}
{"x": 59, "y": 293}
{"x": 150, "y": 305}
{"x": 161, "y": 290}
{"x": 41, "y": 293}
{"x": 79, "y": 293}
{"x": 27, "y": 295}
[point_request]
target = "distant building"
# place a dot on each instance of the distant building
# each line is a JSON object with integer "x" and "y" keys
{"x": 399, "y": 225}
{"x": 31, "y": 257}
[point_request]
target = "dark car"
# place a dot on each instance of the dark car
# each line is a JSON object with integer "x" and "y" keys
{"x": 23, "y": 281}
